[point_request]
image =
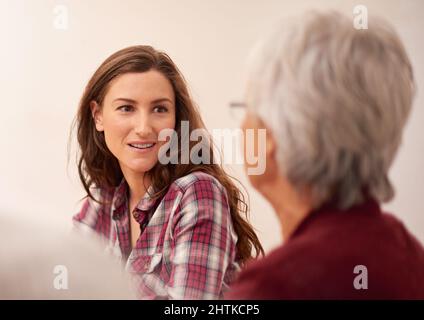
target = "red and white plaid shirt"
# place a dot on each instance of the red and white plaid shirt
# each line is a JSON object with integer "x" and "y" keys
{"x": 187, "y": 245}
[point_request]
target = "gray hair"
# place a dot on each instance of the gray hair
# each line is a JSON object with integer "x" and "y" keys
{"x": 336, "y": 100}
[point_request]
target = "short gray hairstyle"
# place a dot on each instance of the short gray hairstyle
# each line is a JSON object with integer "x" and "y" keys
{"x": 336, "y": 100}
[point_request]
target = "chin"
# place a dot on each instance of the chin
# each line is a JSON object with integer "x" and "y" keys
{"x": 140, "y": 167}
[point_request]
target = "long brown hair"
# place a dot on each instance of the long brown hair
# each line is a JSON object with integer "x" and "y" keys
{"x": 97, "y": 166}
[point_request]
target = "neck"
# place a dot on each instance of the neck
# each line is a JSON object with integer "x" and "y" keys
{"x": 291, "y": 207}
{"x": 138, "y": 184}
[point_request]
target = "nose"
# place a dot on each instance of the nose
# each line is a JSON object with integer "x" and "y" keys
{"x": 142, "y": 125}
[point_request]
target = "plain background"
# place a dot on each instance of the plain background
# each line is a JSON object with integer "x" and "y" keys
{"x": 44, "y": 71}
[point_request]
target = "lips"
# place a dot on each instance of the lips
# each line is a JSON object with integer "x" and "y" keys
{"x": 142, "y": 146}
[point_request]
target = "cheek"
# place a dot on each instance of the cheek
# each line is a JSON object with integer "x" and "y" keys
{"x": 115, "y": 130}
{"x": 168, "y": 123}
{"x": 254, "y": 181}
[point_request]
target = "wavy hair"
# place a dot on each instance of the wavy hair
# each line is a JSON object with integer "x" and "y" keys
{"x": 98, "y": 167}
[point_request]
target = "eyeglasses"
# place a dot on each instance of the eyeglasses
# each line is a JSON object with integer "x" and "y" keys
{"x": 238, "y": 110}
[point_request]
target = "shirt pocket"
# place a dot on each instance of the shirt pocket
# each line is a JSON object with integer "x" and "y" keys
{"x": 147, "y": 263}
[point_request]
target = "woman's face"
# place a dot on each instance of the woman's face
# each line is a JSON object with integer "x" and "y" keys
{"x": 137, "y": 106}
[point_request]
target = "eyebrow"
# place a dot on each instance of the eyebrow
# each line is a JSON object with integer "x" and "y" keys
{"x": 135, "y": 102}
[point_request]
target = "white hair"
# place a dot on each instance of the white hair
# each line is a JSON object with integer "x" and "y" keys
{"x": 336, "y": 100}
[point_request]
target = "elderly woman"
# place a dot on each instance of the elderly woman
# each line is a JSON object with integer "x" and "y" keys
{"x": 334, "y": 101}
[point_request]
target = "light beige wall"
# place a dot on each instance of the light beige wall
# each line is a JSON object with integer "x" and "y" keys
{"x": 44, "y": 70}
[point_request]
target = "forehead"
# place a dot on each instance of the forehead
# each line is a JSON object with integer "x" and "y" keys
{"x": 141, "y": 86}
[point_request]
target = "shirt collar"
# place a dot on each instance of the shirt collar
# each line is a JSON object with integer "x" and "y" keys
{"x": 120, "y": 195}
{"x": 369, "y": 206}
{"x": 147, "y": 202}
{"x": 120, "y": 203}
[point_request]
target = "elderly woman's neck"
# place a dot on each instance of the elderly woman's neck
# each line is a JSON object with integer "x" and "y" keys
{"x": 291, "y": 207}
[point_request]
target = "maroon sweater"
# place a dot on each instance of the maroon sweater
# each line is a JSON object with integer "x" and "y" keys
{"x": 318, "y": 261}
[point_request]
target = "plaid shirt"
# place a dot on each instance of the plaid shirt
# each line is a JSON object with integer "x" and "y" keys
{"x": 187, "y": 245}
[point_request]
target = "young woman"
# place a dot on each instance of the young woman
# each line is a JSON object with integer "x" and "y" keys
{"x": 178, "y": 226}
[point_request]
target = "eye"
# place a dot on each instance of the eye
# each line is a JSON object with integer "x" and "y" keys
{"x": 160, "y": 109}
{"x": 126, "y": 108}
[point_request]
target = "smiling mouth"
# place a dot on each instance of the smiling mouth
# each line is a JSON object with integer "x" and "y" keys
{"x": 142, "y": 146}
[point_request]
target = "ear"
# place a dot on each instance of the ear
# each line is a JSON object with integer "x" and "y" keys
{"x": 271, "y": 153}
{"x": 266, "y": 150}
{"x": 271, "y": 145}
{"x": 97, "y": 115}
